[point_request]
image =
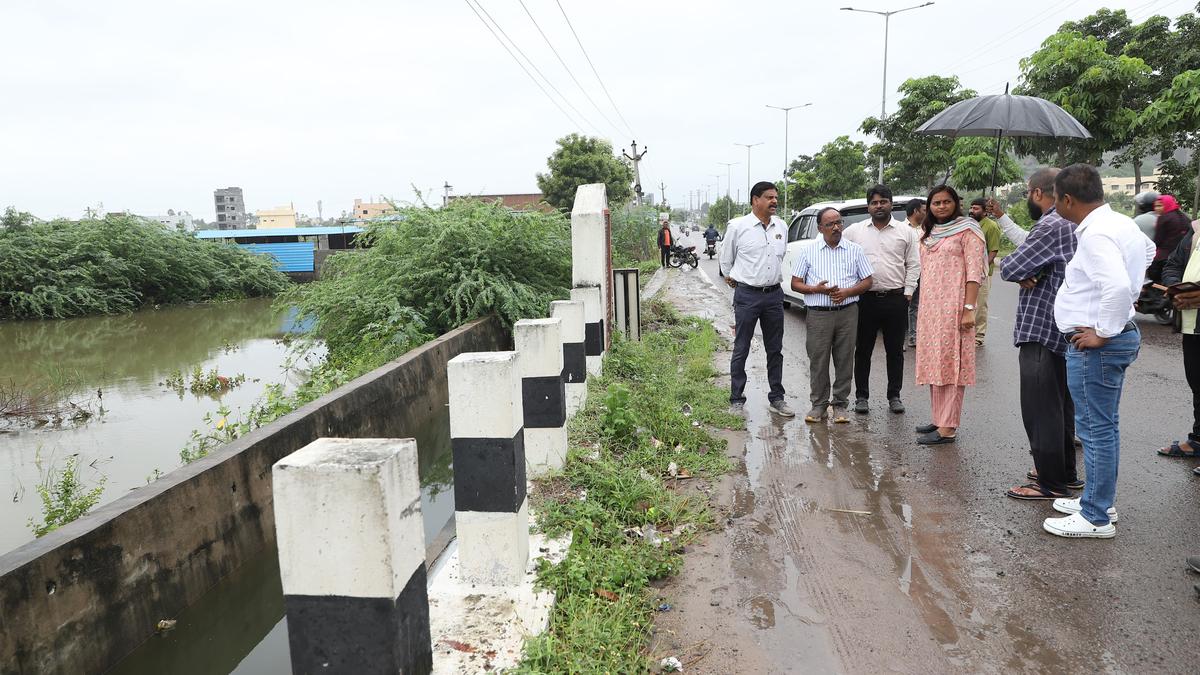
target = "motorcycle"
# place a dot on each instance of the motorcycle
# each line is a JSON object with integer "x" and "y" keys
{"x": 683, "y": 255}
{"x": 710, "y": 250}
{"x": 1156, "y": 303}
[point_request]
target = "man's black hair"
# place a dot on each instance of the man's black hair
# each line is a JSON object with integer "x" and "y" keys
{"x": 913, "y": 206}
{"x": 822, "y": 212}
{"x": 979, "y": 201}
{"x": 1081, "y": 181}
{"x": 761, "y": 187}
{"x": 881, "y": 190}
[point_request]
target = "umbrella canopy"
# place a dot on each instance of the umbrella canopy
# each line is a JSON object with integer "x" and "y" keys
{"x": 1003, "y": 115}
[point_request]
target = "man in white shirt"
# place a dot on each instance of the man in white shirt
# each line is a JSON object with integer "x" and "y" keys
{"x": 1094, "y": 307}
{"x": 831, "y": 273}
{"x": 893, "y": 247}
{"x": 752, "y": 263}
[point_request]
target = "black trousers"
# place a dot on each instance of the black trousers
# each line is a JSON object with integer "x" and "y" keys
{"x": 665, "y": 252}
{"x": 1191, "y": 370}
{"x": 750, "y": 308}
{"x": 1049, "y": 415}
{"x": 887, "y": 313}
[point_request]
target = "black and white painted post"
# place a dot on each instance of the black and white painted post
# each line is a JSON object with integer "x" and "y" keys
{"x": 593, "y": 326}
{"x": 591, "y": 267}
{"x": 488, "y": 442}
{"x": 543, "y": 393}
{"x": 352, "y": 557}
{"x": 574, "y": 373}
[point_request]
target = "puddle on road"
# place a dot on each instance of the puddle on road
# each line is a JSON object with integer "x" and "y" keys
{"x": 762, "y": 612}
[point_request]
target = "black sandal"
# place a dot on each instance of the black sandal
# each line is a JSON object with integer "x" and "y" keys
{"x": 1042, "y": 493}
{"x": 1076, "y": 484}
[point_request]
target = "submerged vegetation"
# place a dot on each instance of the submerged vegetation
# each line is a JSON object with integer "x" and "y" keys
{"x": 643, "y": 434}
{"x": 64, "y": 268}
{"x": 199, "y": 381}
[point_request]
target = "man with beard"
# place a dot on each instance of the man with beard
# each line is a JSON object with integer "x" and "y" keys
{"x": 991, "y": 233}
{"x": 752, "y": 263}
{"x": 1038, "y": 265}
{"x": 893, "y": 249}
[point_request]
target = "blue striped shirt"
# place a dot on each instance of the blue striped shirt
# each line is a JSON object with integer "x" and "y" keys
{"x": 843, "y": 266}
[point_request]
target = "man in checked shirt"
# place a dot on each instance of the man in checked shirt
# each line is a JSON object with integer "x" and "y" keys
{"x": 1039, "y": 264}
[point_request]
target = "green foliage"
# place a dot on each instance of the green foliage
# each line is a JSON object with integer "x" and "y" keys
{"x": 581, "y": 160}
{"x": 65, "y": 268}
{"x": 613, "y": 482}
{"x": 201, "y": 382}
{"x": 722, "y": 211}
{"x": 837, "y": 171}
{"x": 1179, "y": 179}
{"x": 1176, "y": 114}
{"x": 974, "y": 160}
{"x": 634, "y": 234}
{"x": 64, "y": 496}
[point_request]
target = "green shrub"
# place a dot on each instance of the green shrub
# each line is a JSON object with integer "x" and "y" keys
{"x": 64, "y": 497}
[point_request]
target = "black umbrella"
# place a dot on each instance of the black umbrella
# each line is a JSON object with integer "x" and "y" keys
{"x": 1004, "y": 115}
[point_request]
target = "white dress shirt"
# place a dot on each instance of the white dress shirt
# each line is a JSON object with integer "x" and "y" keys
{"x": 843, "y": 266}
{"x": 1104, "y": 278}
{"x": 1015, "y": 233}
{"x": 894, "y": 252}
{"x": 753, "y": 253}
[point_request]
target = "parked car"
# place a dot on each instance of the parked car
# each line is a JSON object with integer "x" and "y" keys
{"x": 803, "y": 229}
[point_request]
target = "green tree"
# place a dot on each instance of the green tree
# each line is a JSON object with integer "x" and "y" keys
{"x": 722, "y": 210}
{"x": 1097, "y": 88}
{"x": 581, "y": 160}
{"x": 974, "y": 160}
{"x": 913, "y": 161}
{"x": 837, "y": 171}
{"x": 1176, "y": 114}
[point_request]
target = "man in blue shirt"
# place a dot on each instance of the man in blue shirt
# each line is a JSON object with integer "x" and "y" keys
{"x": 831, "y": 273}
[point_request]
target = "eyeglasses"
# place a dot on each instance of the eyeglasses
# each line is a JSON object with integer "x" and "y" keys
{"x": 837, "y": 222}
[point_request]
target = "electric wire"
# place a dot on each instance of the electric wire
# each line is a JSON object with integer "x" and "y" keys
{"x": 566, "y": 67}
{"x": 593, "y": 67}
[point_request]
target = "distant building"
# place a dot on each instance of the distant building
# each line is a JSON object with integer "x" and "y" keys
{"x": 1128, "y": 184}
{"x": 276, "y": 218}
{"x": 529, "y": 201}
{"x": 368, "y": 210}
{"x": 231, "y": 208}
{"x": 181, "y": 221}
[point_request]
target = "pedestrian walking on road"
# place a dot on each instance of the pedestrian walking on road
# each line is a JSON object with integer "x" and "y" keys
{"x": 952, "y": 269}
{"x": 892, "y": 247}
{"x": 752, "y": 263}
{"x": 1094, "y": 308}
{"x": 831, "y": 273}
{"x": 991, "y": 235}
{"x": 1039, "y": 265}
{"x": 1183, "y": 265}
{"x": 664, "y": 241}
{"x": 915, "y": 210}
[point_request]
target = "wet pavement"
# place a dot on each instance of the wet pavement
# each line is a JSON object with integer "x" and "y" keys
{"x": 850, "y": 548}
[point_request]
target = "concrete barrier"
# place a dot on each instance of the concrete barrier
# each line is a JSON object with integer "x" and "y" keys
{"x": 82, "y": 597}
{"x": 574, "y": 374}
{"x": 543, "y": 393}
{"x": 593, "y": 328}
{"x": 352, "y": 557}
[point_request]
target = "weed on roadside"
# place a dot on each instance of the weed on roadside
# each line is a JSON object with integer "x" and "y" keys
{"x": 644, "y": 429}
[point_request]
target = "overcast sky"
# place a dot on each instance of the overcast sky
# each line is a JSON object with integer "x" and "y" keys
{"x": 148, "y": 105}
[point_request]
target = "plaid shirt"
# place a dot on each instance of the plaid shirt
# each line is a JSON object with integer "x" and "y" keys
{"x": 1044, "y": 255}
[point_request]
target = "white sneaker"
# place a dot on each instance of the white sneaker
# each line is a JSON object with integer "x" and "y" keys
{"x": 1071, "y": 506}
{"x": 1076, "y": 525}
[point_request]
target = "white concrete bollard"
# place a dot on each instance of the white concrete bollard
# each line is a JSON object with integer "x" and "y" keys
{"x": 352, "y": 557}
{"x": 543, "y": 393}
{"x": 574, "y": 372}
{"x": 488, "y": 442}
{"x": 591, "y": 250}
{"x": 593, "y": 328}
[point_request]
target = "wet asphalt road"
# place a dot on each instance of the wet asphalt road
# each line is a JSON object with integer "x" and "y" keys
{"x": 971, "y": 569}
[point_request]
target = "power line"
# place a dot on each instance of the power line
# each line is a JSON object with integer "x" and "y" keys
{"x": 537, "y": 70}
{"x": 566, "y": 67}
{"x": 593, "y": 67}
{"x": 573, "y": 121}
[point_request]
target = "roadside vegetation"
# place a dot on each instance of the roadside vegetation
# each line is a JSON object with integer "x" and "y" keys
{"x": 65, "y": 496}
{"x": 644, "y": 433}
{"x": 64, "y": 268}
{"x": 635, "y": 238}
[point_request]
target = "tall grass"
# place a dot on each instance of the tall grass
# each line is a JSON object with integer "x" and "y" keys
{"x": 66, "y": 268}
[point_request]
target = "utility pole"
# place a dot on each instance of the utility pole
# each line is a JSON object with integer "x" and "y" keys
{"x": 786, "y": 156}
{"x": 729, "y": 206}
{"x": 887, "y": 19}
{"x": 662, "y": 194}
{"x": 747, "y": 146}
{"x": 320, "y": 218}
{"x": 446, "y": 196}
{"x": 637, "y": 176}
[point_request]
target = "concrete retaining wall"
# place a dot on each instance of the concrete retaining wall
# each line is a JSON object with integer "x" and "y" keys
{"x": 82, "y": 597}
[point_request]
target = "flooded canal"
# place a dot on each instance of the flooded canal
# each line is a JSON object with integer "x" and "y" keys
{"x": 114, "y": 367}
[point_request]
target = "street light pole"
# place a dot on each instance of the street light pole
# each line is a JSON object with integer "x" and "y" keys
{"x": 747, "y": 146}
{"x": 729, "y": 204}
{"x": 786, "y": 110}
{"x": 887, "y": 18}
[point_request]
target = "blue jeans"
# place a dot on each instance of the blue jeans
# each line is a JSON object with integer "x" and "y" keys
{"x": 1095, "y": 378}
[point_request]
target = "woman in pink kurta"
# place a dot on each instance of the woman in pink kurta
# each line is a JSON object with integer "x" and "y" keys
{"x": 953, "y": 256}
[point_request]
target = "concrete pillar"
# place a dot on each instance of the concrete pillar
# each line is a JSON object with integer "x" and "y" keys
{"x": 591, "y": 248}
{"x": 574, "y": 373}
{"x": 543, "y": 393}
{"x": 352, "y": 557}
{"x": 593, "y": 326}
{"x": 488, "y": 442}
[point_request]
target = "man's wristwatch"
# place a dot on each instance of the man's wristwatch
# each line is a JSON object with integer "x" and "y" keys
{"x": 969, "y": 306}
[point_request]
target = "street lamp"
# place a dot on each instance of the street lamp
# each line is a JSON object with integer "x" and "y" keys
{"x": 747, "y": 146}
{"x": 887, "y": 17}
{"x": 786, "y": 109}
{"x": 729, "y": 203}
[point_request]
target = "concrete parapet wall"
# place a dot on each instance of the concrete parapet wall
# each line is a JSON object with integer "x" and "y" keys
{"x": 82, "y": 597}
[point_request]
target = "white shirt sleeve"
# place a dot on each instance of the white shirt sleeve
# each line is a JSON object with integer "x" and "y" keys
{"x": 1113, "y": 284}
{"x": 912, "y": 262}
{"x": 1015, "y": 233}
{"x": 729, "y": 249}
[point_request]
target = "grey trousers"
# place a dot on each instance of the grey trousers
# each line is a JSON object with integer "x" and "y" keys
{"x": 831, "y": 334}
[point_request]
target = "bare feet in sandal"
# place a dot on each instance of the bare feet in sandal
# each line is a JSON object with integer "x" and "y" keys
{"x": 1179, "y": 449}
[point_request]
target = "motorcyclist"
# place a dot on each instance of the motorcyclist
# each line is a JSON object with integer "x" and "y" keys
{"x": 1143, "y": 206}
{"x": 711, "y": 235}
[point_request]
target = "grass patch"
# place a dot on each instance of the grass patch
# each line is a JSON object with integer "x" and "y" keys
{"x": 615, "y": 494}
